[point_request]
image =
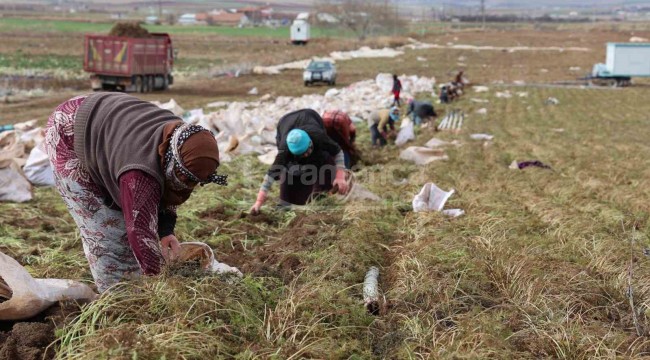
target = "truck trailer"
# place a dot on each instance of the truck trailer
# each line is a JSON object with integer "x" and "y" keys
{"x": 624, "y": 61}
{"x": 300, "y": 29}
{"x": 140, "y": 64}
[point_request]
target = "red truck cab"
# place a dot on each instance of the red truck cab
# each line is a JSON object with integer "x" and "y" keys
{"x": 129, "y": 64}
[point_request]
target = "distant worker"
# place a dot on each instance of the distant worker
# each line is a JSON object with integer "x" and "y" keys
{"x": 397, "y": 88}
{"x": 122, "y": 166}
{"x": 459, "y": 81}
{"x": 308, "y": 162}
{"x": 420, "y": 111}
{"x": 444, "y": 95}
{"x": 379, "y": 122}
{"x": 340, "y": 128}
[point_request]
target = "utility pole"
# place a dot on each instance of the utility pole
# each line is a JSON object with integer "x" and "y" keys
{"x": 483, "y": 12}
{"x": 160, "y": 10}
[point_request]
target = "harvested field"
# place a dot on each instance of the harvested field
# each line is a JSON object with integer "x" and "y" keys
{"x": 544, "y": 263}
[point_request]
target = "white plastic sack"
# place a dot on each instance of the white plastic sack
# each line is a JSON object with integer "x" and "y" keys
{"x": 482, "y": 111}
{"x": 11, "y": 149}
{"x": 33, "y": 137}
{"x": 331, "y": 93}
{"x": 422, "y": 155}
{"x": 435, "y": 142}
{"x": 359, "y": 193}
{"x": 406, "y": 132}
{"x": 453, "y": 212}
{"x": 28, "y": 296}
{"x": 269, "y": 157}
{"x": 193, "y": 116}
{"x": 14, "y": 187}
{"x": 431, "y": 198}
{"x": 481, "y": 137}
{"x": 171, "y": 105}
{"x": 38, "y": 169}
{"x": 204, "y": 254}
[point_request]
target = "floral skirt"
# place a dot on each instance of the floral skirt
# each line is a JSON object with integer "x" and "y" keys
{"x": 102, "y": 229}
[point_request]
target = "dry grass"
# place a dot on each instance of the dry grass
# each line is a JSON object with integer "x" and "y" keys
{"x": 539, "y": 267}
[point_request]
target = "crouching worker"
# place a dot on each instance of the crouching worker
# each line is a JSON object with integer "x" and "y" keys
{"x": 308, "y": 162}
{"x": 122, "y": 166}
{"x": 379, "y": 123}
{"x": 420, "y": 111}
{"x": 340, "y": 128}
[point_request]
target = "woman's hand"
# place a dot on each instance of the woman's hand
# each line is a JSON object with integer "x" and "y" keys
{"x": 261, "y": 199}
{"x": 340, "y": 182}
{"x": 171, "y": 248}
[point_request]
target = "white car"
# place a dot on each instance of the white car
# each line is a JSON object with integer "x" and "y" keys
{"x": 320, "y": 71}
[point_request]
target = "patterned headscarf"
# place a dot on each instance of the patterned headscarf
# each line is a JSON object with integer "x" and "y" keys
{"x": 173, "y": 160}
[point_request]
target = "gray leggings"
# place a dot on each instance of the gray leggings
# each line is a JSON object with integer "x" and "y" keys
{"x": 376, "y": 136}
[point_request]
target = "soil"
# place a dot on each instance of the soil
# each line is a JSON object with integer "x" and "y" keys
{"x": 129, "y": 29}
{"x": 31, "y": 339}
{"x": 277, "y": 257}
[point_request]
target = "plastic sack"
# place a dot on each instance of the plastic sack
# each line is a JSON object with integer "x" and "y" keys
{"x": 481, "y": 137}
{"x": 14, "y": 187}
{"x": 422, "y": 155}
{"x": 11, "y": 149}
{"x": 436, "y": 143}
{"x": 203, "y": 253}
{"x": 269, "y": 157}
{"x": 453, "y": 212}
{"x": 431, "y": 198}
{"x": 406, "y": 132}
{"x": 25, "y": 297}
{"x": 172, "y": 106}
{"x": 38, "y": 169}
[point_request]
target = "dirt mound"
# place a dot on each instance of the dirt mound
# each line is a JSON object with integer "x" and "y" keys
{"x": 29, "y": 339}
{"x": 216, "y": 213}
{"x": 282, "y": 254}
{"x": 129, "y": 29}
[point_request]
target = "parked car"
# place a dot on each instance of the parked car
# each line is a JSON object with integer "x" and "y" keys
{"x": 320, "y": 71}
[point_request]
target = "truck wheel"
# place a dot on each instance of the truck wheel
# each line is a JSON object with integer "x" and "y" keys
{"x": 145, "y": 84}
{"x": 306, "y": 83}
{"x": 139, "y": 84}
{"x": 165, "y": 85}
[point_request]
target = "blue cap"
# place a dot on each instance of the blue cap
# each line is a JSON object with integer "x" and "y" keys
{"x": 298, "y": 141}
{"x": 394, "y": 113}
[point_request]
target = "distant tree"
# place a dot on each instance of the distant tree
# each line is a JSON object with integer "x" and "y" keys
{"x": 363, "y": 17}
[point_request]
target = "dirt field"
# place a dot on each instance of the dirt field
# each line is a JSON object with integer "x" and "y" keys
{"x": 542, "y": 264}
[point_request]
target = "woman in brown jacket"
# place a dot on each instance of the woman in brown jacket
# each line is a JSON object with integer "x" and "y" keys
{"x": 122, "y": 166}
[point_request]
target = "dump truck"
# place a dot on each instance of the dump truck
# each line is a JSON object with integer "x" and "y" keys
{"x": 624, "y": 61}
{"x": 140, "y": 64}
